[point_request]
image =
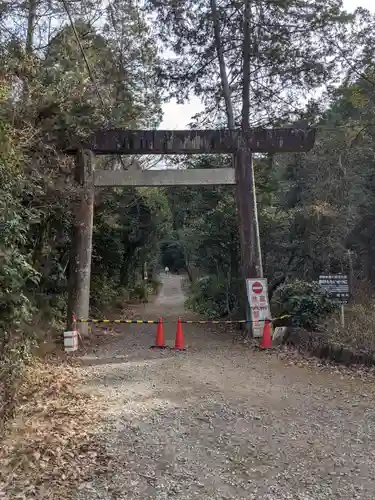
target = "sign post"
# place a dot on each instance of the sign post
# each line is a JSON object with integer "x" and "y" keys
{"x": 257, "y": 295}
{"x": 337, "y": 287}
{"x": 343, "y": 315}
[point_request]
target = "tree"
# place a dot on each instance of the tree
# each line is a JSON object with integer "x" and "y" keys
{"x": 293, "y": 51}
{"x": 51, "y": 92}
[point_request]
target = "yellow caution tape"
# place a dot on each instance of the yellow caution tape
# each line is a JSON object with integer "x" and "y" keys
{"x": 118, "y": 321}
{"x": 153, "y": 322}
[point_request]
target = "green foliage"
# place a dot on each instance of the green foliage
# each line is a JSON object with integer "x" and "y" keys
{"x": 153, "y": 285}
{"x": 16, "y": 270}
{"x": 207, "y": 233}
{"x": 128, "y": 226}
{"x": 139, "y": 291}
{"x": 50, "y": 89}
{"x": 104, "y": 293}
{"x": 210, "y": 297}
{"x": 305, "y": 303}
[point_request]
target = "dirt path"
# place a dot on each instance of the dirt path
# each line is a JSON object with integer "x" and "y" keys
{"x": 224, "y": 422}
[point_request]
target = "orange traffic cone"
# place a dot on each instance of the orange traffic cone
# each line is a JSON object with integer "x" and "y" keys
{"x": 159, "y": 342}
{"x": 179, "y": 344}
{"x": 266, "y": 340}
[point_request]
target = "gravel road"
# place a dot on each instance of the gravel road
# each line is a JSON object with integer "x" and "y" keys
{"x": 224, "y": 422}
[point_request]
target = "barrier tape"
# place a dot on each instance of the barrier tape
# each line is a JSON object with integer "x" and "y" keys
{"x": 117, "y": 321}
{"x": 215, "y": 321}
{"x": 228, "y": 322}
{"x": 185, "y": 321}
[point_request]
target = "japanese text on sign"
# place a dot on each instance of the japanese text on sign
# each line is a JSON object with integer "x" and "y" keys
{"x": 336, "y": 285}
{"x": 257, "y": 295}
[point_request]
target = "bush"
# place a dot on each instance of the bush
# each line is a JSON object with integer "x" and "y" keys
{"x": 154, "y": 285}
{"x": 210, "y": 297}
{"x": 104, "y": 292}
{"x": 16, "y": 270}
{"x": 305, "y": 302}
{"x": 139, "y": 292}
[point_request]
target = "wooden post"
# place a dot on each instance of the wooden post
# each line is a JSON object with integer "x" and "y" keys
{"x": 245, "y": 204}
{"x": 81, "y": 246}
{"x": 243, "y": 162}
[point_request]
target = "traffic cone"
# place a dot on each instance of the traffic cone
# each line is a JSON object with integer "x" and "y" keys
{"x": 266, "y": 340}
{"x": 179, "y": 344}
{"x": 159, "y": 342}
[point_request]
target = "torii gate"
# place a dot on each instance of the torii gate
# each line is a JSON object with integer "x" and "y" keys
{"x": 239, "y": 143}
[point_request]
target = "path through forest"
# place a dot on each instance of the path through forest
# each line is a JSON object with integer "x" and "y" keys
{"x": 222, "y": 421}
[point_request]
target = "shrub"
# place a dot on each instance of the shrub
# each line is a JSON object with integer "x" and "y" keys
{"x": 104, "y": 292}
{"x": 210, "y": 297}
{"x": 305, "y": 302}
{"x": 139, "y": 291}
{"x": 154, "y": 285}
{"x": 16, "y": 270}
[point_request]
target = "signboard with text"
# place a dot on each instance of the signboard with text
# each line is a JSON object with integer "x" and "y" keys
{"x": 336, "y": 285}
{"x": 257, "y": 295}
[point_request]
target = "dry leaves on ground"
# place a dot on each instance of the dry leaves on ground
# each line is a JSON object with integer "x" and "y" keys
{"x": 50, "y": 446}
{"x": 294, "y": 357}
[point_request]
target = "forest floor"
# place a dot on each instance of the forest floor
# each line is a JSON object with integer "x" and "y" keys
{"x": 223, "y": 421}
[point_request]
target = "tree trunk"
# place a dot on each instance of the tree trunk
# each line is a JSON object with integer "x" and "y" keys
{"x": 127, "y": 256}
{"x": 30, "y": 27}
{"x": 31, "y": 18}
{"x": 246, "y": 54}
{"x": 245, "y": 125}
{"x": 222, "y": 66}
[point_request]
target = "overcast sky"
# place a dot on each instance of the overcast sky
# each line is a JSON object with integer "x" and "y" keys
{"x": 177, "y": 116}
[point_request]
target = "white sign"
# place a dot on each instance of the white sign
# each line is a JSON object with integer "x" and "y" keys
{"x": 257, "y": 295}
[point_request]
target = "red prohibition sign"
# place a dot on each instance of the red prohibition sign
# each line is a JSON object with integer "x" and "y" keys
{"x": 257, "y": 287}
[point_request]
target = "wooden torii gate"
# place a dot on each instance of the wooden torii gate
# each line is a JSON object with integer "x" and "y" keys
{"x": 239, "y": 143}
